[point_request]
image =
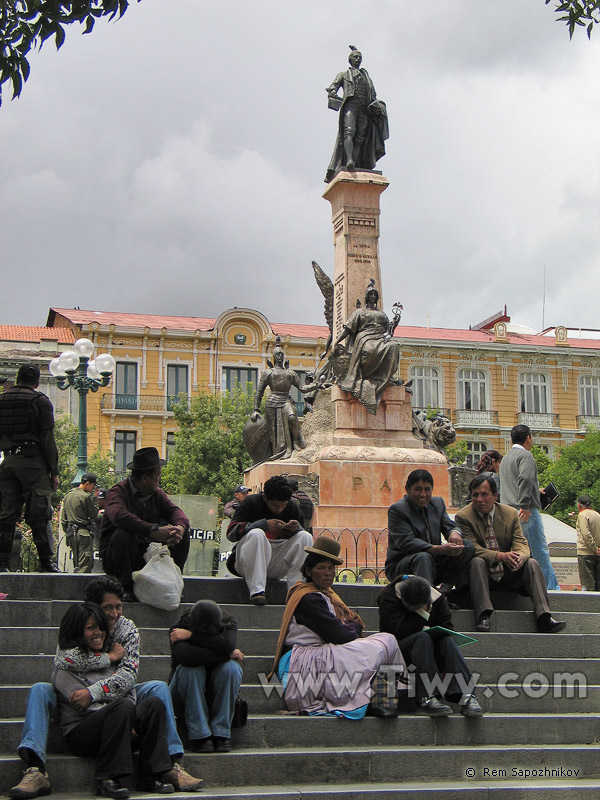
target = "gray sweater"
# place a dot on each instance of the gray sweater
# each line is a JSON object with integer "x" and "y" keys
{"x": 519, "y": 478}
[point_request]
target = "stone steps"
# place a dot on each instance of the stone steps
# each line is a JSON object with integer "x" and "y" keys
{"x": 412, "y": 756}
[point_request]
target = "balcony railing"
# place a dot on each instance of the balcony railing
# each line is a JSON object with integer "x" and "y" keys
{"x": 444, "y": 411}
{"x": 587, "y": 421}
{"x": 138, "y": 402}
{"x": 538, "y": 421}
{"x": 469, "y": 418}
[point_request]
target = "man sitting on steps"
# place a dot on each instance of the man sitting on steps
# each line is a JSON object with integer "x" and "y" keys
{"x": 124, "y": 652}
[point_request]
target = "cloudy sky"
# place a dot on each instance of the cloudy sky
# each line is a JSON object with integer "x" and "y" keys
{"x": 173, "y": 162}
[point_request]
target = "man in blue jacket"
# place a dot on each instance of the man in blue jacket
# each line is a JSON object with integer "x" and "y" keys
{"x": 415, "y": 528}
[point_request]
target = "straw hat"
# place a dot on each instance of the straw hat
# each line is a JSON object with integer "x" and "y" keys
{"x": 327, "y": 547}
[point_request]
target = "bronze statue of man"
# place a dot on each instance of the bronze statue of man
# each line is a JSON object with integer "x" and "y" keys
{"x": 285, "y": 432}
{"x": 363, "y": 125}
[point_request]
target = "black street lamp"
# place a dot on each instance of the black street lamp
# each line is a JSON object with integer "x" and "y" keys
{"x": 74, "y": 368}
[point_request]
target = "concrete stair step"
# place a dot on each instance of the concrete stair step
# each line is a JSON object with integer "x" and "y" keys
{"x": 499, "y": 790}
{"x": 415, "y": 730}
{"x": 25, "y": 613}
{"x": 37, "y": 586}
{"x": 361, "y": 765}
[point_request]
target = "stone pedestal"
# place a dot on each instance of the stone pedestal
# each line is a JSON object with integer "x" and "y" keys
{"x": 354, "y": 198}
{"x": 391, "y": 426}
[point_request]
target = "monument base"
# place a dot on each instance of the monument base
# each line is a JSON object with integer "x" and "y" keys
{"x": 355, "y": 464}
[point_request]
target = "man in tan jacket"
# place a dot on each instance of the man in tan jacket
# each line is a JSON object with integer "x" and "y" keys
{"x": 502, "y": 561}
{"x": 588, "y": 544}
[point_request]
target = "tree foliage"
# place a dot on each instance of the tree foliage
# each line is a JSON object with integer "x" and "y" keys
{"x": 27, "y": 24}
{"x": 576, "y": 471}
{"x": 102, "y": 464}
{"x": 578, "y": 13}
{"x": 209, "y": 456}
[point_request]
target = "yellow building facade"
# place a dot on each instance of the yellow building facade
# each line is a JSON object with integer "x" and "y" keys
{"x": 486, "y": 379}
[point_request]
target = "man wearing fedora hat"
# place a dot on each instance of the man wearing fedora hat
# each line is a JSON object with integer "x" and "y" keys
{"x": 138, "y": 512}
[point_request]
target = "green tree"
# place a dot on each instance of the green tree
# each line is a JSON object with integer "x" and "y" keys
{"x": 458, "y": 452}
{"x": 26, "y": 24}
{"x": 103, "y": 465}
{"x": 65, "y": 433}
{"x": 578, "y": 13}
{"x": 576, "y": 471}
{"x": 209, "y": 456}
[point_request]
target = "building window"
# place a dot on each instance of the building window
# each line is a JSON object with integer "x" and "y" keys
{"x": 124, "y": 449}
{"x": 126, "y": 385}
{"x": 476, "y": 450}
{"x": 533, "y": 393}
{"x": 426, "y": 387}
{"x": 238, "y": 376}
{"x": 170, "y": 444}
{"x": 177, "y": 383}
{"x": 589, "y": 396}
{"x": 296, "y": 394}
{"x": 472, "y": 390}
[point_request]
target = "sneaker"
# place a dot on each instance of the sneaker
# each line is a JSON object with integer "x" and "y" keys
{"x": 258, "y": 599}
{"x": 434, "y": 708}
{"x": 182, "y": 780}
{"x": 471, "y": 707}
{"x": 34, "y": 783}
{"x": 222, "y": 744}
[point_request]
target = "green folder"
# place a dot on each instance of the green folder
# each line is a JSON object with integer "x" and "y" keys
{"x": 460, "y": 638}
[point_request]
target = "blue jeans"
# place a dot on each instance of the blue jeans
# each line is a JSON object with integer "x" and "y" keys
{"x": 188, "y": 689}
{"x": 534, "y": 533}
{"x": 41, "y": 702}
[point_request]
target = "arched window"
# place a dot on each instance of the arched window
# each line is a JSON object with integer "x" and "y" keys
{"x": 472, "y": 390}
{"x": 426, "y": 386}
{"x": 533, "y": 393}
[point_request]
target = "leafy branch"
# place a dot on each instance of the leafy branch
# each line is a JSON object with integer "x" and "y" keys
{"x": 582, "y": 13}
{"x": 27, "y": 24}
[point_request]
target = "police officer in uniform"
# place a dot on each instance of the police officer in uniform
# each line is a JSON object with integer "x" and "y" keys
{"x": 79, "y": 518}
{"x": 29, "y": 472}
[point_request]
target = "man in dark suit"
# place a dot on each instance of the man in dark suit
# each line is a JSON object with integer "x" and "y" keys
{"x": 416, "y": 524}
{"x": 502, "y": 561}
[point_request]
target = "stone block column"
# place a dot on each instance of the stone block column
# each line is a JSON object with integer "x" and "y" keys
{"x": 354, "y": 198}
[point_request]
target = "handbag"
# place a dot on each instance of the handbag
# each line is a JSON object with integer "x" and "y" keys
{"x": 384, "y": 699}
{"x": 240, "y": 713}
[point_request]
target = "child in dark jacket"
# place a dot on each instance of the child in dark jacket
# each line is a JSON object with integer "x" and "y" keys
{"x": 206, "y": 674}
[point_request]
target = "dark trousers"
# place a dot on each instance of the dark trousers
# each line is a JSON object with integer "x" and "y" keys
{"x": 589, "y": 572}
{"x": 106, "y": 735}
{"x": 430, "y": 658}
{"x": 435, "y": 568}
{"x": 124, "y": 555}
{"x": 25, "y": 480}
{"x": 529, "y": 577}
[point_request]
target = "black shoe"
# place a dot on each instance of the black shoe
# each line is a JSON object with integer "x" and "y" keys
{"x": 546, "y": 624}
{"x": 434, "y": 708}
{"x": 129, "y": 597}
{"x": 156, "y": 786}
{"x": 110, "y": 788}
{"x": 258, "y": 599}
{"x": 222, "y": 744}
{"x": 483, "y": 625}
{"x": 4, "y": 568}
{"x": 471, "y": 707}
{"x": 48, "y": 566}
{"x": 203, "y": 745}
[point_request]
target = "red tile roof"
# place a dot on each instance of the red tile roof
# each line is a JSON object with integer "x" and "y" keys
{"x": 408, "y": 332}
{"x": 31, "y": 333}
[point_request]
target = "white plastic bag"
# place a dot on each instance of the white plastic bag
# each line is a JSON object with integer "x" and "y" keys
{"x": 159, "y": 583}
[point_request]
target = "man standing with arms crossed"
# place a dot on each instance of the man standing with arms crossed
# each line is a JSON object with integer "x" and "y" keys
{"x": 521, "y": 490}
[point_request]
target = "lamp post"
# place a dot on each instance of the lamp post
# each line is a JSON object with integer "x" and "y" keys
{"x": 74, "y": 368}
